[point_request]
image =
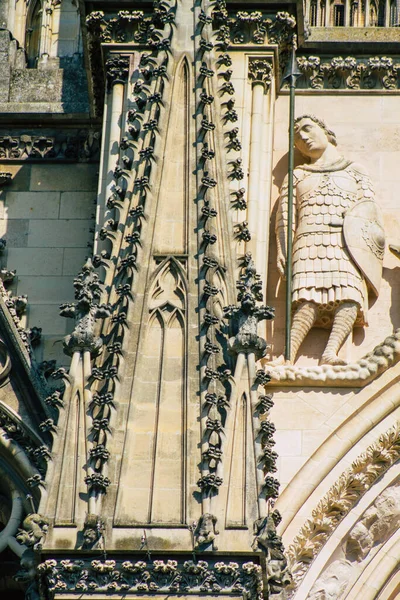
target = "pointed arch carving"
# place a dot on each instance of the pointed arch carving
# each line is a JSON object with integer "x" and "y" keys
{"x": 155, "y": 448}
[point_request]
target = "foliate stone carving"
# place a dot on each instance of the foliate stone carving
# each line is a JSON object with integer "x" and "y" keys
{"x": 130, "y": 26}
{"x": 117, "y": 69}
{"x": 332, "y": 264}
{"x": 85, "y": 312}
{"x": 261, "y": 72}
{"x": 253, "y": 27}
{"x": 80, "y": 146}
{"x": 205, "y": 532}
{"x": 249, "y": 313}
{"x": 162, "y": 576}
{"x": 375, "y": 526}
{"x": 340, "y": 499}
{"x": 348, "y": 73}
{"x": 270, "y": 543}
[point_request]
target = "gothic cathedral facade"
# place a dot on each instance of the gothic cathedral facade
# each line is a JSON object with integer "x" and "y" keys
{"x": 199, "y": 258}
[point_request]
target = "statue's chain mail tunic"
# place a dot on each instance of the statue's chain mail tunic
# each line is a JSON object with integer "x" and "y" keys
{"x": 323, "y": 270}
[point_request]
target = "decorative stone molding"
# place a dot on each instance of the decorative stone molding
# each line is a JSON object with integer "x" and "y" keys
{"x": 81, "y": 146}
{"x": 354, "y": 374}
{"x": 128, "y": 26}
{"x": 349, "y": 73}
{"x": 261, "y": 72}
{"x": 170, "y": 577}
{"x": 251, "y": 27}
{"x": 15, "y": 430}
{"x": 11, "y": 310}
{"x": 340, "y": 499}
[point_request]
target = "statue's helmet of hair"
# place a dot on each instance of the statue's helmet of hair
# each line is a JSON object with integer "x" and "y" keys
{"x": 329, "y": 133}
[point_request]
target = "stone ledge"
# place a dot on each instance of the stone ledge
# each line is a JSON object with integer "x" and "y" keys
{"x": 357, "y": 374}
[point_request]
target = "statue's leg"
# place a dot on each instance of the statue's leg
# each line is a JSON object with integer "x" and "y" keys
{"x": 303, "y": 319}
{"x": 343, "y": 323}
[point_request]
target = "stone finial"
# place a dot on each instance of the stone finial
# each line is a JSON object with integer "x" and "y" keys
{"x": 248, "y": 314}
{"x": 261, "y": 72}
{"x": 85, "y": 311}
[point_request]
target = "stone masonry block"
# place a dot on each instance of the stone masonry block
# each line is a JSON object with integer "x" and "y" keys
{"x": 56, "y": 234}
{"x": 74, "y": 258}
{"x": 64, "y": 178}
{"x": 46, "y": 290}
{"x": 15, "y": 231}
{"x": 77, "y": 205}
{"x": 32, "y": 205}
{"x": 47, "y": 316}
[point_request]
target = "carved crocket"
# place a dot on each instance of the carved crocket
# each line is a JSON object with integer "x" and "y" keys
{"x": 338, "y": 240}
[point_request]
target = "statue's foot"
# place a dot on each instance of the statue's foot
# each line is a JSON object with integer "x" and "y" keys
{"x": 332, "y": 359}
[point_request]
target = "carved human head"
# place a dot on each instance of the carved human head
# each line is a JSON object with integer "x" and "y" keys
{"x": 312, "y": 136}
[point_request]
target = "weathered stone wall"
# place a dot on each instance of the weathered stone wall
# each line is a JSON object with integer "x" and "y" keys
{"x": 46, "y": 214}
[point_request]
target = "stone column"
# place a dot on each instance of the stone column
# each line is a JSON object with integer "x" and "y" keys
{"x": 347, "y": 10}
{"x": 327, "y": 13}
{"x": 261, "y": 76}
{"x": 117, "y": 71}
{"x": 387, "y": 13}
{"x": 366, "y": 18}
{"x": 46, "y": 31}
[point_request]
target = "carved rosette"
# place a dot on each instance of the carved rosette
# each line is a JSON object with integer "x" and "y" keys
{"x": 117, "y": 70}
{"x": 261, "y": 72}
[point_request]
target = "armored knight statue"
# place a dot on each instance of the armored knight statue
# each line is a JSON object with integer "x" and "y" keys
{"x": 338, "y": 240}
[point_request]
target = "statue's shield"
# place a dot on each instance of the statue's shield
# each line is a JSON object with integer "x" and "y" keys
{"x": 365, "y": 239}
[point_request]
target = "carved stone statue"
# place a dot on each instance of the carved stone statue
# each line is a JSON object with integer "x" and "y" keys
{"x": 270, "y": 543}
{"x": 338, "y": 240}
{"x": 34, "y": 529}
{"x": 206, "y": 532}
